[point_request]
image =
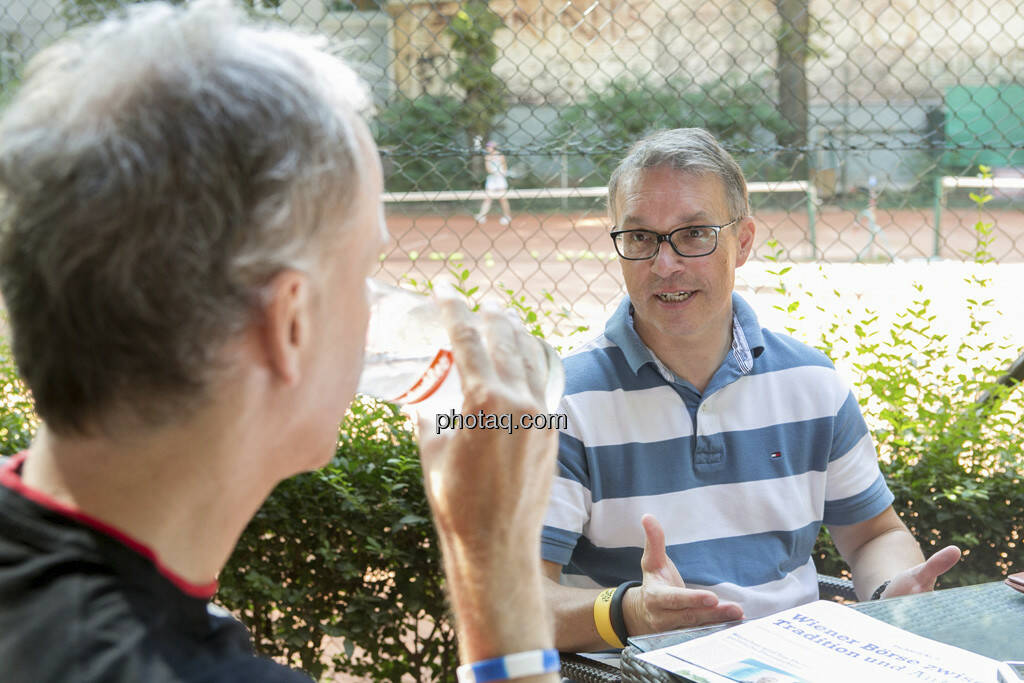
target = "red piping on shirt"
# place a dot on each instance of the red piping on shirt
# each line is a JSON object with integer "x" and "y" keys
{"x": 11, "y": 478}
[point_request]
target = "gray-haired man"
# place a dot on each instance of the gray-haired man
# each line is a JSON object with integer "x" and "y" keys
{"x": 741, "y": 441}
{"x": 191, "y": 207}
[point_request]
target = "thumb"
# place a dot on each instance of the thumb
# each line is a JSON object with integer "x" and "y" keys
{"x": 939, "y": 563}
{"x": 655, "y": 563}
{"x": 921, "y": 578}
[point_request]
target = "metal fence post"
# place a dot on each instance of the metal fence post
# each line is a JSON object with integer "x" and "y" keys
{"x": 564, "y": 179}
{"x": 812, "y": 215}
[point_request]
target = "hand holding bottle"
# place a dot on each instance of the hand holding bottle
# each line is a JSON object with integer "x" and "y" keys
{"x": 488, "y": 489}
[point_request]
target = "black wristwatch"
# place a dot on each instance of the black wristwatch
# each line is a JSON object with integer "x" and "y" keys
{"x": 878, "y": 591}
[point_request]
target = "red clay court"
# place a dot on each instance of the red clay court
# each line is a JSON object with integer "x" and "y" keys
{"x": 571, "y": 256}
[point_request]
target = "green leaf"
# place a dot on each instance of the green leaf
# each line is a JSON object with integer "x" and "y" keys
{"x": 411, "y": 519}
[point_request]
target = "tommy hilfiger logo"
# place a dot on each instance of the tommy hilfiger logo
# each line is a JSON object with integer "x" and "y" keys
{"x": 775, "y": 456}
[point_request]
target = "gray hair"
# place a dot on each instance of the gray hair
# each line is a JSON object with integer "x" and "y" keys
{"x": 157, "y": 170}
{"x": 689, "y": 150}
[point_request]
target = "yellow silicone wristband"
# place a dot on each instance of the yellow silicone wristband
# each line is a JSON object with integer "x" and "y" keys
{"x": 603, "y": 619}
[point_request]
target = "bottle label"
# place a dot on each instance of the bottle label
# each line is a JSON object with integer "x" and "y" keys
{"x": 431, "y": 379}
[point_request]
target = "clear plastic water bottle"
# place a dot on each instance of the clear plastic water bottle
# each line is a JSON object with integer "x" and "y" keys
{"x": 408, "y": 358}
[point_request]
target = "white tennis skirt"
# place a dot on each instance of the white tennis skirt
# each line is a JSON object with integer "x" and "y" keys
{"x": 495, "y": 185}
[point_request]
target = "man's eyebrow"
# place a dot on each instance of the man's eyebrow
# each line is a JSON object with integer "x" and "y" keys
{"x": 699, "y": 217}
{"x": 632, "y": 220}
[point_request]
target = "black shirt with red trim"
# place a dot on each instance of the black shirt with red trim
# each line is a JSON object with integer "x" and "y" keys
{"x": 81, "y": 602}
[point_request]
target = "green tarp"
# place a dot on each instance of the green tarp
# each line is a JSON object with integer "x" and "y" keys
{"x": 985, "y": 125}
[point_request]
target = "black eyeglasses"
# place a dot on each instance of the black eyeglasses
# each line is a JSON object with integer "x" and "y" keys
{"x": 690, "y": 242}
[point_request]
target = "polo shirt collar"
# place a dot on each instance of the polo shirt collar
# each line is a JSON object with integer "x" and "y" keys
{"x": 745, "y": 324}
{"x": 747, "y": 344}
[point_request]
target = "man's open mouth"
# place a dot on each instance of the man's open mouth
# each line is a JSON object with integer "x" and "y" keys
{"x": 674, "y": 296}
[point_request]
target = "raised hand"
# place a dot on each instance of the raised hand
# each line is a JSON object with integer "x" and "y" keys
{"x": 488, "y": 488}
{"x": 486, "y": 485}
{"x": 921, "y": 578}
{"x": 664, "y": 602}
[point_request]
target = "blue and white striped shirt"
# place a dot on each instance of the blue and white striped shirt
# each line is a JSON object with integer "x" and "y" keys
{"x": 741, "y": 477}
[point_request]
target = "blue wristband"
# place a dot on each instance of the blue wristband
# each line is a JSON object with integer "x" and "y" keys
{"x": 519, "y": 665}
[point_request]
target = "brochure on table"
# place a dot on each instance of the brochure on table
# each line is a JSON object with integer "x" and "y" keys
{"x": 821, "y": 642}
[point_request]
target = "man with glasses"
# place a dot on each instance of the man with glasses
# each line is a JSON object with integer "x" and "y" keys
{"x": 703, "y": 452}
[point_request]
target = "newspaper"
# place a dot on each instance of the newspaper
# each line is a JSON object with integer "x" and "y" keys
{"x": 821, "y": 642}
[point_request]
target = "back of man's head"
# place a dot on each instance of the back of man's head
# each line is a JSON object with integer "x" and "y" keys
{"x": 157, "y": 170}
{"x": 687, "y": 150}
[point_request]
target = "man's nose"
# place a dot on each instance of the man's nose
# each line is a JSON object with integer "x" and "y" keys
{"x": 666, "y": 261}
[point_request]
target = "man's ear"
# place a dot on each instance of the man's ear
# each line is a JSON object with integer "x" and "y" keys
{"x": 745, "y": 231}
{"x": 287, "y": 323}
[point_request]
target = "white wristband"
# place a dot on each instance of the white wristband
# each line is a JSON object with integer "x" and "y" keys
{"x": 519, "y": 665}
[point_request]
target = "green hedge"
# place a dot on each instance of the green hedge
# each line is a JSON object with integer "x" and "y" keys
{"x": 948, "y": 433}
{"x": 735, "y": 107}
{"x": 17, "y": 417}
{"x": 954, "y": 464}
{"x": 422, "y": 149}
{"x": 349, "y": 551}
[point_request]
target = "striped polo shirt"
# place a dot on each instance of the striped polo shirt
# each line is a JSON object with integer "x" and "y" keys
{"x": 741, "y": 476}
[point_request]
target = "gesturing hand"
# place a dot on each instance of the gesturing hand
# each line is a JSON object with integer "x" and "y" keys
{"x": 664, "y": 602}
{"x": 921, "y": 578}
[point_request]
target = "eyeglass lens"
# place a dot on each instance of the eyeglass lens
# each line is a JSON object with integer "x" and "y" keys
{"x": 641, "y": 244}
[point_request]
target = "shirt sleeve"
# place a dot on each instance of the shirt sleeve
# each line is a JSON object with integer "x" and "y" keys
{"x": 855, "y": 489}
{"x": 569, "y": 508}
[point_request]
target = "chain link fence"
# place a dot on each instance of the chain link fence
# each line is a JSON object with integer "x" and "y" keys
{"x": 861, "y": 126}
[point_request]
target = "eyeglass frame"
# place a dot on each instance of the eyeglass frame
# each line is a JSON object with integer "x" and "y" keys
{"x": 667, "y": 237}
